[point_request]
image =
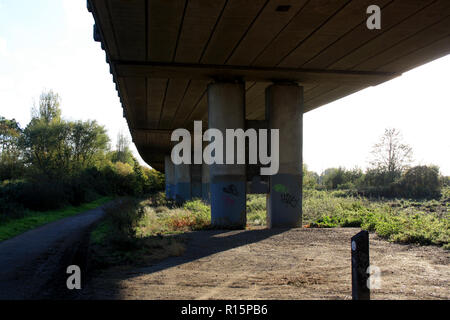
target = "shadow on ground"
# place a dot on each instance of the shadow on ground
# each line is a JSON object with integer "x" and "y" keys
{"x": 200, "y": 244}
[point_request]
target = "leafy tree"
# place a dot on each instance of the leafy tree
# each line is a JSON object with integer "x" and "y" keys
{"x": 122, "y": 152}
{"x": 341, "y": 178}
{"x": 58, "y": 148}
{"x": 140, "y": 177}
{"x": 48, "y": 109}
{"x": 310, "y": 178}
{"x": 391, "y": 155}
{"x": 11, "y": 165}
{"x": 88, "y": 141}
{"x": 67, "y": 162}
{"x": 333, "y": 177}
{"x": 41, "y": 143}
{"x": 354, "y": 179}
{"x": 9, "y": 133}
{"x": 123, "y": 169}
{"x": 445, "y": 181}
{"x": 155, "y": 180}
{"x": 421, "y": 182}
{"x": 123, "y": 144}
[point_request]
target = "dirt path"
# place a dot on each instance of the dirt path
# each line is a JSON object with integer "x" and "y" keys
{"x": 268, "y": 264}
{"x": 33, "y": 264}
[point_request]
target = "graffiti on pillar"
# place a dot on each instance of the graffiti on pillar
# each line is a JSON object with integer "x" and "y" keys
{"x": 281, "y": 188}
{"x": 289, "y": 200}
{"x": 228, "y": 200}
{"x": 231, "y": 189}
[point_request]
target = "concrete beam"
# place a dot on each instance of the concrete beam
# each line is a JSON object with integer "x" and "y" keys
{"x": 206, "y": 72}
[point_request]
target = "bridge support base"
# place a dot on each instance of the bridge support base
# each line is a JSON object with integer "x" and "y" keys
{"x": 183, "y": 183}
{"x": 169, "y": 169}
{"x": 196, "y": 181}
{"x": 205, "y": 184}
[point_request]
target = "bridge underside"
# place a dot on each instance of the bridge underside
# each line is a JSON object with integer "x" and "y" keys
{"x": 163, "y": 55}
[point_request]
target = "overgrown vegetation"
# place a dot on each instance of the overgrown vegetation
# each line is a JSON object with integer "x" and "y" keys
{"x": 143, "y": 231}
{"x": 402, "y": 221}
{"x": 135, "y": 232}
{"x": 53, "y": 163}
{"x": 424, "y": 222}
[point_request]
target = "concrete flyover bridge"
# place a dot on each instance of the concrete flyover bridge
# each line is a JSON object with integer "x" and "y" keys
{"x": 253, "y": 64}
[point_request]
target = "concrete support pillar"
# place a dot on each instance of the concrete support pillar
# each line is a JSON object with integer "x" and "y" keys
{"x": 183, "y": 183}
{"x": 205, "y": 184}
{"x": 196, "y": 181}
{"x": 226, "y": 107}
{"x": 169, "y": 169}
{"x": 284, "y": 110}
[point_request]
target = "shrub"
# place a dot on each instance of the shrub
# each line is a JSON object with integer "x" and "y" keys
{"x": 158, "y": 199}
{"x": 124, "y": 216}
{"x": 200, "y": 212}
{"x": 421, "y": 182}
{"x": 10, "y": 207}
{"x": 43, "y": 195}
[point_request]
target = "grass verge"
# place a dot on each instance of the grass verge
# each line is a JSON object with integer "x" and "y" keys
{"x": 31, "y": 220}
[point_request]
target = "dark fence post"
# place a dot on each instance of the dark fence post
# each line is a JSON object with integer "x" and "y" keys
{"x": 360, "y": 264}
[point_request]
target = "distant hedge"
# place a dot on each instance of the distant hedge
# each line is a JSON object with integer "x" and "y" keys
{"x": 48, "y": 194}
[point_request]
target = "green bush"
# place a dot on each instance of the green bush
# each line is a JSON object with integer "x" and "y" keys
{"x": 124, "y": 216}
{"x": 421, "y": 182}
{"x": 38, "y": 196}
{"x": 159, "y": 199}
{"x": 200, "y": 212}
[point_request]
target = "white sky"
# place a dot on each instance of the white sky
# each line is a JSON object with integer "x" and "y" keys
{"x": 48, "y": 44}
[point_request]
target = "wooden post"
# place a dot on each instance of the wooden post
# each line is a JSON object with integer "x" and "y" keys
{"x": 360, "y": 264}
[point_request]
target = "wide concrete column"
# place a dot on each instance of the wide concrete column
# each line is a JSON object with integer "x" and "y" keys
{"x": 205, "y": 184}
{"x": 226, "y": 107}
{"x": 284, "y": 110}
{"x": 169, "y": 169}
{"x": 183, "y": 183}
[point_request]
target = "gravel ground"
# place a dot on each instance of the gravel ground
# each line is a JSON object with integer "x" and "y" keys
{"x": 278, "y": 264}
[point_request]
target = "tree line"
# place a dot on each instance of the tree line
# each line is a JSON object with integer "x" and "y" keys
{"x": 53, "y": 162}
{"x": 389, "y": 174}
